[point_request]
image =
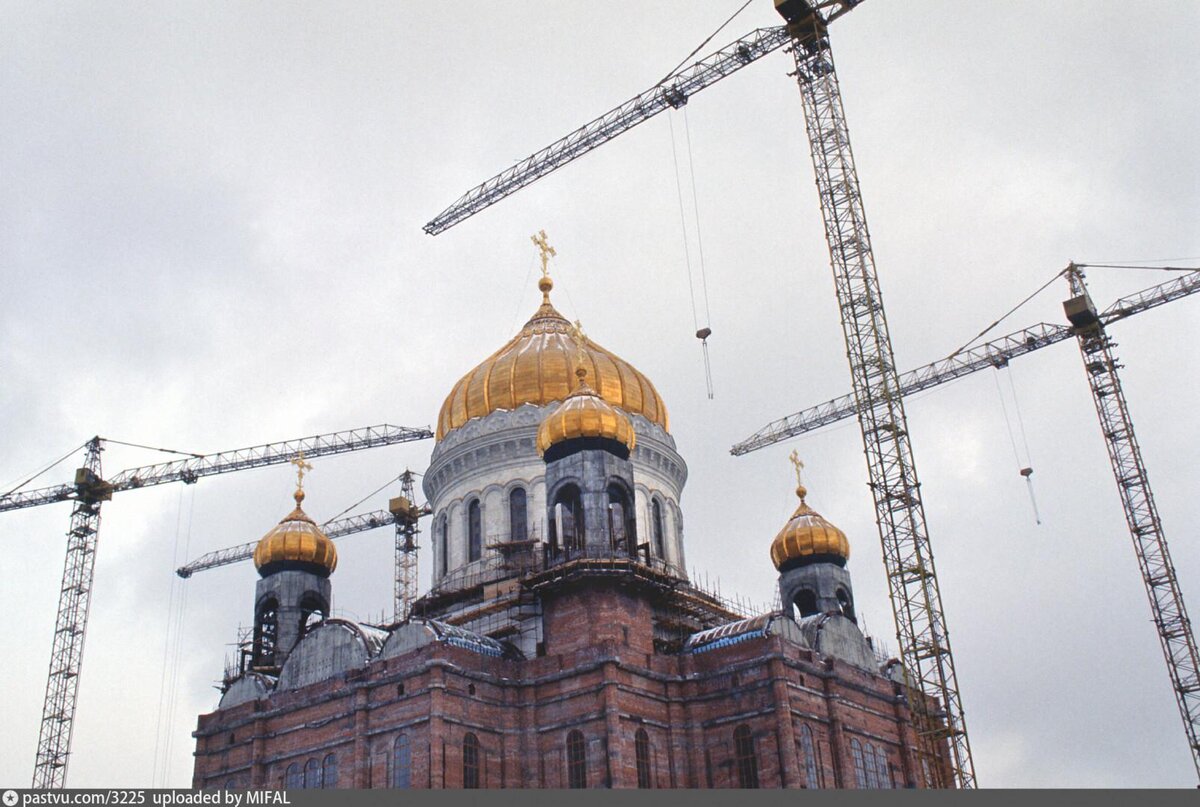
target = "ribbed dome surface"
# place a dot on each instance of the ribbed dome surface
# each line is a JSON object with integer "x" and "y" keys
{"x": 295, "y": 542}
{"x": 807, "y": 534}
{"x": 585, "y": 414}
{"x": 536, "y": 367}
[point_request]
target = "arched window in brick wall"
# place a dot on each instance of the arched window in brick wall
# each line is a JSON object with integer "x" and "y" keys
{"x": 641, "y": 747}
{"x": 518, "y": 515}
{"x": 470, "y": 761}
{"x": 869, "y": 764}
{"x": 329, "y": 772}
{"x": 474, "y": 530}
{"x": 808, "y": 750}
{"x": 402, "y": 763}
{"x": 747, "y": 760}
{"x": 860, "y": 766}
{"x": 312, "y": 774}
{"x": 882, "y": 768}
{"x": 576, "y": 760}
{"x": 294, "y": 778}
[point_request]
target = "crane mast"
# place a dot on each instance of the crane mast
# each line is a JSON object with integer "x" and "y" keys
{"x": 407, "y": 515}
{"x": 921, "y": 631}
{"x": 74, "y": 600}
{"x": 88, "y": 492}
{"x": 1141, "y": 514}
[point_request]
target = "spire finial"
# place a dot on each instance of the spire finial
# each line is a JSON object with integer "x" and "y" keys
{"x": 301, "y": 467}
{"x": 546, "y": 252}
{"x": 580, "y": 339}
{"x": 801, "y": 491}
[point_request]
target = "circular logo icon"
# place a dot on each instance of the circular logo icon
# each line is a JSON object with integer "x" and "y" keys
{"x": 10, "y": 798}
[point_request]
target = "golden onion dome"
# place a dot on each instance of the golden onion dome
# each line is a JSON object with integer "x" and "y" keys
{"x": 584, "y": 414}
{"x": 296, "y": 542}
{"x": 808, "y": 536}
{"x": 535, "y": 368}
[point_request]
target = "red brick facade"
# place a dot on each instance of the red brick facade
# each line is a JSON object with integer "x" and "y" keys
{"x": 600, "y": 676}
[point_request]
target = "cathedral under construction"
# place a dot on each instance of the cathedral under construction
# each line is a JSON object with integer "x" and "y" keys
{"x": 561, "y": 644}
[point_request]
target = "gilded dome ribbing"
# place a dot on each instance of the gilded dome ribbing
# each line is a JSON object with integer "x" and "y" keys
{"x": 295, "y": 542}
{"x": 584, "y": 414}
{"x": 808, "y": 535}
{"x": 536, "y": 367}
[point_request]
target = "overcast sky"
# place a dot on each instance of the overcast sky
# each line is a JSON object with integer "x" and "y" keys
{"x": 210, "y": 237}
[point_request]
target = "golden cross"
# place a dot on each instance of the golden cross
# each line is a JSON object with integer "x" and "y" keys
{"x": 795, "y": 458}
{"x": 301, "y": 467}
{"x": 547, "y": 251}
{"x": 580, "y": 340}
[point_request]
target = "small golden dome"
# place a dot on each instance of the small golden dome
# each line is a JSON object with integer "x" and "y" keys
{"x": 295, "y": 542}
{"x": 808, "y": 535}
{"x": 584, "y": 414}
{"x": 535, "y": 367}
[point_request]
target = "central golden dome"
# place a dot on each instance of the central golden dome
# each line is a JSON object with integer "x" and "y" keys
{"x": 536, "y": 367}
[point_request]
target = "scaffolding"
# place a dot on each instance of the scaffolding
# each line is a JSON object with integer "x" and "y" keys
{"x": 497, "y": 596}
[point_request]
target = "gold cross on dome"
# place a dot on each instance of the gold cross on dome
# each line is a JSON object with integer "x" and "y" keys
{"x": 795, "y": 458}
{"x": 301, "y": 467}
{"x": 547, "y": 251}
{"x": 580, "y": 340}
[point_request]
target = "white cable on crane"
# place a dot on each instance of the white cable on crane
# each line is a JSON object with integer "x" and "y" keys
{"x": 1025, "y": 468}
{"x": 172, "y": 649}
{"x": 702, "y": 333}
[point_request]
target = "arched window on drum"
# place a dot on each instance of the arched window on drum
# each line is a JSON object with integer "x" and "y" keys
{"x": 474, "y": 530}
{"x": 443, "y": 546}
{"x": 518, "y": 515}
{"x": 566, "y": 519}
{"x": 622, "y": 526}
{"x": 658, "y": 528}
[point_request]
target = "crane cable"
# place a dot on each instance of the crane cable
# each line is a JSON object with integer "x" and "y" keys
{"x": 702, "y": 333}
{"x": 47, "y": 468}
{"x": 1025, "y": 468}
{"x": 1006, "y": 315}
{"x": 720, "y": 28}
{"x": 364, "y": 498}
{"x": 172, "y": 648}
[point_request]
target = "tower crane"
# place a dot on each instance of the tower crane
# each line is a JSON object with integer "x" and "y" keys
{"x": 89, "y": 491}
{"x": 401, "y": 512}
{"x": 921, "y": 630}
{"x": 1089, "y": 327}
